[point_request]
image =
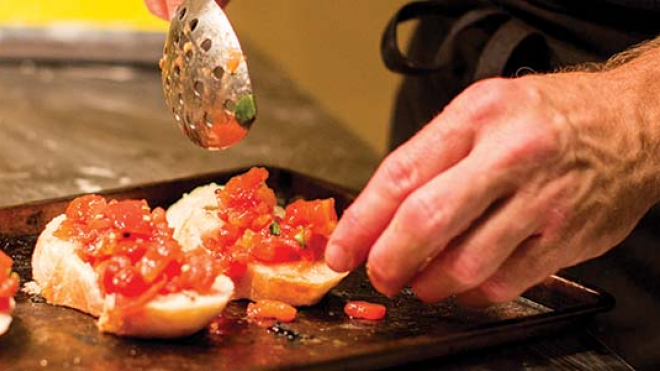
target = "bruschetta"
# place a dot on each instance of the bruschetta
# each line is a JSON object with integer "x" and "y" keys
{"x": 118, "y": 261}
{"x": 9, "y": 282}
{"x": 270, "y": 252}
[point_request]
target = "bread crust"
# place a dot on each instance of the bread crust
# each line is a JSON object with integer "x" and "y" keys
{"x": 296, "y": 283}
{"x": 64, "y": 279}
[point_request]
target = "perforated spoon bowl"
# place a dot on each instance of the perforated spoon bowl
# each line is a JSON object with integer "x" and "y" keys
{"x": 205, "y": 76}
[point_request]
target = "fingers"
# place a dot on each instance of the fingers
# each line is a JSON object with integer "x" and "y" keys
{"x": 430, "y": 218}
{"x": 531, "y": 263}
{"x": 471, "y": 260}
{"x": 165, "y": 9}
{"x": 434, "y": 149}
{"x": 158, "y": 8}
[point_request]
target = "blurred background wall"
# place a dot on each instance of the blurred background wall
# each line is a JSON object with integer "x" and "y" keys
{"x": 330, "y": 48}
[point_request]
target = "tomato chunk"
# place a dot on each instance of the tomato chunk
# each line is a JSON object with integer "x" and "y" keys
{"x": 5, "y": 305}
{"x": 365, "y": 310}
{"x": 133, "y": 252}
{"x": 253, "y": 231}
{"x": 271, "y": 309}
{"x": 9, "y": 282}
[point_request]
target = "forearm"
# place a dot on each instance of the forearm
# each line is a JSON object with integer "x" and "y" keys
{"x": 623, "y": 97}
{"x": 635, "y": 79}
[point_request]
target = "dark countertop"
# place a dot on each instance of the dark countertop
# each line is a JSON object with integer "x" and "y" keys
{"x": 79, "y": 117}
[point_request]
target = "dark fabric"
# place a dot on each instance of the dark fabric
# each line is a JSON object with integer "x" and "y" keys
{"x": 566, "y": 33}
{"x": 511, "y": 38}
{"x": 616, "y": 5}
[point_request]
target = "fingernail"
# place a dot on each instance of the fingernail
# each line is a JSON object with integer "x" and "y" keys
{"x": 377, "y": 283}
{"x": 337, "y": 258}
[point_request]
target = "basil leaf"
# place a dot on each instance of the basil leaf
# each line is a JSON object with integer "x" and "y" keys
{"x": 246, "y": 110}
{"x": 275, "y": 228}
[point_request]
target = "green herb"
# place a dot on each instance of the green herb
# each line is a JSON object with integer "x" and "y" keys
{"x": 246, "y": 110}
{"x": 300, "y": 238}
{"x": 275, "y": 228}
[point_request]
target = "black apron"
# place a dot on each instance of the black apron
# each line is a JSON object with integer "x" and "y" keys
{"x": 458, "y": 42}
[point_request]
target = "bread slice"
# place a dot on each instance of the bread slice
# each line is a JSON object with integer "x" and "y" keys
{"x": 296, "y": 283}
{"x": 5, "y": 318}
{"x": 64, "y": 279}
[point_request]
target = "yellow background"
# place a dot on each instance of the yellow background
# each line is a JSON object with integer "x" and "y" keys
{"x": 106, "y": 14}
{"x": 330, "y": 48}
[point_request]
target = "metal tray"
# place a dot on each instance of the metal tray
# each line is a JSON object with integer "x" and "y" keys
{"x": 46, "y": 337}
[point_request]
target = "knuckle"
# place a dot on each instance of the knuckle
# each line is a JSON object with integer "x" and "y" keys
{"x": 541, "y": 142}
{"x": 352, "y": 216}
{"x": 486, "y": 98}
{"x": 400, "y": 172}
{"x": 466, "y": 271}
{"x": 422, "y": 215}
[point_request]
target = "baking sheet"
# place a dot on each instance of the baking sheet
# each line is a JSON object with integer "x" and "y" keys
{"x": 46, "y": 337}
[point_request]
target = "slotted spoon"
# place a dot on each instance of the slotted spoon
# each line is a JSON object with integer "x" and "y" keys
{"x": 205, "y": 76}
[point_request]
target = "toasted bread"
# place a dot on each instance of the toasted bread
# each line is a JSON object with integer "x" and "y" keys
{"x": 5, "y": 318}
{"x": 298, "y": 283}
{"x": 66, "y": 280}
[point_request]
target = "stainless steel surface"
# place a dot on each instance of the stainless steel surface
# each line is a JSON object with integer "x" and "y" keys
{"x": 205, "y": 76}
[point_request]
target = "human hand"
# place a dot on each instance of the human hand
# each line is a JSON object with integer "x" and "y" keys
{"x": 166, "y": 8}
{"x": 514, "y": 180}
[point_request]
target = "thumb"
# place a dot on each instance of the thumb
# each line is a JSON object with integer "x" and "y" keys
{"x": 165, "y": 8}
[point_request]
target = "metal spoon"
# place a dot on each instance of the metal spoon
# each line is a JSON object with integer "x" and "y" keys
{"x": 205, "y": 76}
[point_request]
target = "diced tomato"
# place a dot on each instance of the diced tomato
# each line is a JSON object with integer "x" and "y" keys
{"x": 5, "y": 261}
{"x": 266, "y": 309}
{"x": 5, "y": 304}
{"x": 9, "y": 285}
{"x": 85, "y": 207}
{"x": 131, "y": 218}
{"x": 365, "y": 310}
{"x": 199, "y": 271}
{"x": 133, "y": 252}
{"x": 9, "y": 281}
{"x": 225, "y": 133}
{"x": 118, "y": 275}
{"x": 273, "y": 249}
{"x": 245, "y": 200}
{"x": 246, "y": 205}
{"x": 319, "y": 215}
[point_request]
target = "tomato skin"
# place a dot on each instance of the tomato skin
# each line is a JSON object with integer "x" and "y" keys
{"x": 365, "y": 310}
{"x": 271, "y": 309}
